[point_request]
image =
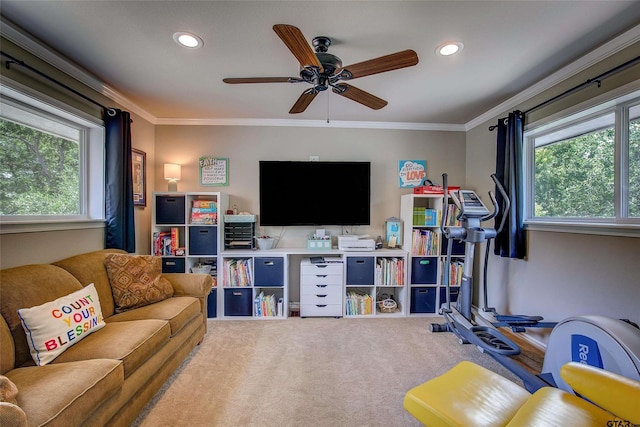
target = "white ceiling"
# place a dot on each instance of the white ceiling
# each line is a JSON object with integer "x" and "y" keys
{"x": 508, "y": 46}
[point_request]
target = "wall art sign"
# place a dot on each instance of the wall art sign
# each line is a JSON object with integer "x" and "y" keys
{"x": 412, "y": 173}
{"x": 139, "y": 169}
{"x": 213, "y": 170}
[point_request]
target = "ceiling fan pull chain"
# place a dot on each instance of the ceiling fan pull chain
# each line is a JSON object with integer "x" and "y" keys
{"x": 328, "y": 100}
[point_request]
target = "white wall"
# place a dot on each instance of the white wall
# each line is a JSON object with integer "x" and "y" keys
{"x": 245, "y": 146}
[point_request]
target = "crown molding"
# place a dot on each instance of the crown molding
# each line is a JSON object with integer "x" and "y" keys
{"x": 313, "y": 123}
{"x": 595, "y": 56}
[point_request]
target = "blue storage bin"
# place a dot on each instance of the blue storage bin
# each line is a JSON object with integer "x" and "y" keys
{"x": 203, "y": 240}
{"x": 268, "y": 271}
{"x": 457, "y": 249}
{"x": 170, "y": 209}
{"x": 423, "y": 300}
{"x": 212, "y": 304}
{"x": 173, "y": 265}
{"x": 238, "y": 302}
{"x": 360, "y": 270}
{"x": 424, "y": 270}
{"x": 454, "y": 291}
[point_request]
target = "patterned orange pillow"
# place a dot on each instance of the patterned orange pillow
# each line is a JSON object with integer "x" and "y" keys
{"x": 136, "y": 280}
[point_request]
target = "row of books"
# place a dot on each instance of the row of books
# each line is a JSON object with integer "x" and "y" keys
{"x": 268, "y": 306}
{"x": 426, "y": 217}
{"x": 204, "y": 212}
{"x": 166, "y": 243}
{"x": 389, "y": 272}
{"x": 424, "y": 242}
{"x": 456, "y": 269}
{"x": 237, "y": 273}
{"x": 359, "y": 304}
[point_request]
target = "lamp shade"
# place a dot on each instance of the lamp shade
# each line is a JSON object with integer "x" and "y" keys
{"x": 172, "y": 171}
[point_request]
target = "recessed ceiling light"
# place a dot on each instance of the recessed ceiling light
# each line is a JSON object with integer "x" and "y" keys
{"x": 449, "y": 48}
{"x": 188, "y": 40}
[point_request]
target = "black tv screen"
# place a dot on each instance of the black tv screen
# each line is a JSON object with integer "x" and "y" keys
{"x": 315, "y": 193}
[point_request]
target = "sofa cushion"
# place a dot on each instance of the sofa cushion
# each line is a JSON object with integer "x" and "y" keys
{"x": 89, "y": 268}
{"x": 7, "y": 349}
{"x": 28, "y": 286}
{"x": 8, "y": 390}
{"x": 55, "y": 326}
{"x": 136, "y": 280}
{"x": 64, "y": 394}
{"x": 131, "y": 342}
{"x": 178, "y": 311}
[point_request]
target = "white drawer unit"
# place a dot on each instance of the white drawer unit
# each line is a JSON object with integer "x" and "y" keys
{"x": 321, "y": 289}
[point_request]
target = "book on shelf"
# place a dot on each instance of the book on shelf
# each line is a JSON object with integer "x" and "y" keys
{"x": 389, "y": 272}
{"x": 424, "y": 242}
{"x": 166, "y": 243}
{"x": 426, "y": 217}
{"x": 265, "y": 305}
{"x": 456, "y": 268}
{"x": 359, "y": 304}
{"x": 237, "y": 273}
{"x": 204, "y": 212}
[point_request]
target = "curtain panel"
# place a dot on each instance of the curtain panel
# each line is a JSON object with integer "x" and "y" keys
{"x": 511, "y": 241}
{"x": 120, "y": 226}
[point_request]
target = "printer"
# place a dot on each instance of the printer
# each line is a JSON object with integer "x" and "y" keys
{"x": 356, "y": 243}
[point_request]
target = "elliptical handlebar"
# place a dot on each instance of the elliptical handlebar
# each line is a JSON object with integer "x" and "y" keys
{"x": 505, "y": 198}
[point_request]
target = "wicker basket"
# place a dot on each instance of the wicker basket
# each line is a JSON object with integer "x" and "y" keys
{"x": 387, "y": 306}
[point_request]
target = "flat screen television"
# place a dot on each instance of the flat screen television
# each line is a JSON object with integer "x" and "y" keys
{"x": 315, "y": 193}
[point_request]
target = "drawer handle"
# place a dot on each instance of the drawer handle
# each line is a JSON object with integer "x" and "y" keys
{"x": 321, "y": 305}
{"x": 321, "y": 286}
{"x": 268, "y": 263}
{"x": 423, "y": 291}
{"x": 321, "y": 275}
{"x": 359, "y": 261}
{"x": 320, "y": 266}
{"x": 321, "y": 296}
{"x": 424, "y": 262}
{"x": 237, "y": 294}
{"x": 170, "y": 263}
{"x": 203, "y": 231}
{"x": 170, "y": 200}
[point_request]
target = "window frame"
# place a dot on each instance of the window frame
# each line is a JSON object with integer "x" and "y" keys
{"x": 91, "y": 153}
{"x": 617, "y": 101}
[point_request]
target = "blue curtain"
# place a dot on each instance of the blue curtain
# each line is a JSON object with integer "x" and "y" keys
{"x": 511, "y": 242}
{"x": 120, "y": 227}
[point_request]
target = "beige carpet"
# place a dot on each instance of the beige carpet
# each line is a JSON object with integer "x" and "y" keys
{"x": 307, "y": 372}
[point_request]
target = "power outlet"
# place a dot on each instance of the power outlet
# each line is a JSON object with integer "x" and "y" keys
{"x": 314, "y": 158}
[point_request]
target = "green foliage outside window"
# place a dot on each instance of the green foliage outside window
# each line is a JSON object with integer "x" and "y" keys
{"x": 576, "y": 177}
{"x": 39, "y": 172}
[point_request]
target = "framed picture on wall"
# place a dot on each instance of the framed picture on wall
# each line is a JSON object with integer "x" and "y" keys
{"x": 139, "y": 166}
{"x": 214, "y": 170}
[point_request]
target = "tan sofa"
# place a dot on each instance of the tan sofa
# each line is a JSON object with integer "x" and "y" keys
{"x": 109, "y": 376}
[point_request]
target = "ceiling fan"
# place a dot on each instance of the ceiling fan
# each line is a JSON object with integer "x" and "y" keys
{"x": 323, "y": 70}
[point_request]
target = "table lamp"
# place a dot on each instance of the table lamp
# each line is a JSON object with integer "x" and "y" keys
{"x": 172, "y": 173}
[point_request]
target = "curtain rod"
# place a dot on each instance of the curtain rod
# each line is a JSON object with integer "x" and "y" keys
{"x": 11, "y": 60}
{"x": 598, "y": 80}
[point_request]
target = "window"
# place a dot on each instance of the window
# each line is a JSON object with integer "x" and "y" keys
{"x": 51, "y": 165}
{"x": 584, "y": 169}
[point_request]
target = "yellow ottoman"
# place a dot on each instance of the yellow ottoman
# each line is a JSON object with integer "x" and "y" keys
{"x": 466, "y": 395}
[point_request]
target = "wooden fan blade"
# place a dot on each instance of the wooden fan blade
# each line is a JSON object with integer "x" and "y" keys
{"x": 394, "y": 61}
{"x": 297, "y": 44}
{"x": 303, "y": 102}
{"x": 360, "y": 96}
{"x": 257, "y": 80}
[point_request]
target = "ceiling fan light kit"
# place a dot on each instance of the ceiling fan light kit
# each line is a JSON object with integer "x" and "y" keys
{"x": 322, "y": 70}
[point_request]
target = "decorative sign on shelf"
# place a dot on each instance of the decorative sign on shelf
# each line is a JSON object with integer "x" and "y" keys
{"x": 412, "y": 173}
{"x": 214, "y": 170}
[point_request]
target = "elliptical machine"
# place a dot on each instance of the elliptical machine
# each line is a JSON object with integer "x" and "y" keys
{"x": 610, "y": 344}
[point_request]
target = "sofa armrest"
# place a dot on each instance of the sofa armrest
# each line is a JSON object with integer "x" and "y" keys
{"x": 193, "y": 285}
{"x": 612, "y": 392}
